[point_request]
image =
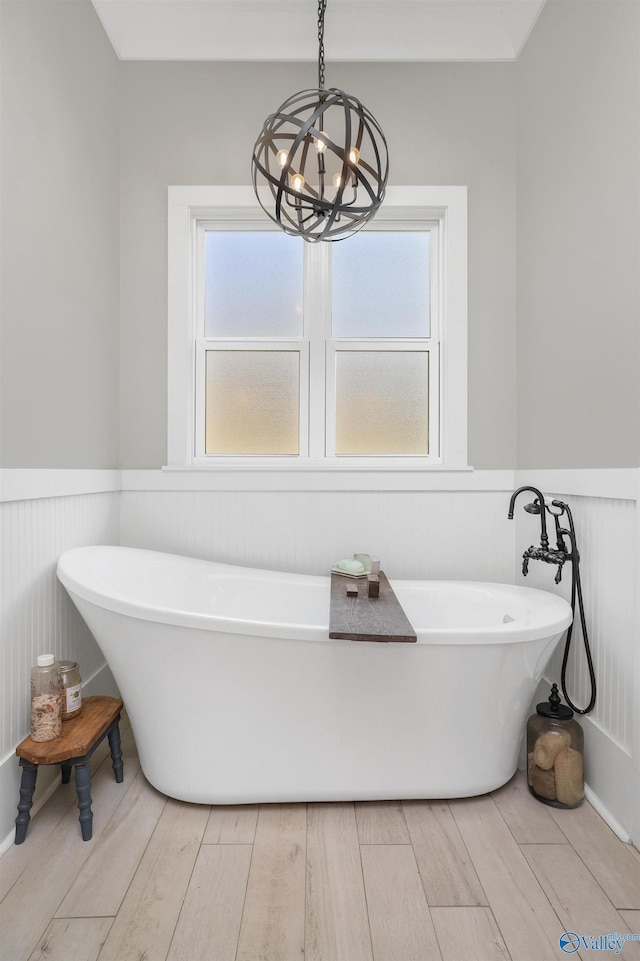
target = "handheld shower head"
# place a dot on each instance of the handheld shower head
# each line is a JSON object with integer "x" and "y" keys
{"x": 533, "y": 508}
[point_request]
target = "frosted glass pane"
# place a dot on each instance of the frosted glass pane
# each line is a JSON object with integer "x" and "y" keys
{"x": 252, "y": 402}
{"x": 381, "y": 285}
{"x": 382, "y": 402}
{"x": 252, "y": 284}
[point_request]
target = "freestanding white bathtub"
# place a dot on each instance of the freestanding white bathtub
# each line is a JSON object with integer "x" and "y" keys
{"x": 236, "y": 694}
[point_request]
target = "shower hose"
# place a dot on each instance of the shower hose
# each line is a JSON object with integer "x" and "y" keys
{"x": 576, "y": 593}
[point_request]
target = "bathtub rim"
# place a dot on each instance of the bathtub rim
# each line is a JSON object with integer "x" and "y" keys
{"x": 501, "y": 634}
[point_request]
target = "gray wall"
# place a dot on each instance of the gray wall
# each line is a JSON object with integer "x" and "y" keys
{"x": 578, "y": 177}
{"x": 550, "y": 141}
{"x": 59, "y": 224}
{"x": 186, "y": 123}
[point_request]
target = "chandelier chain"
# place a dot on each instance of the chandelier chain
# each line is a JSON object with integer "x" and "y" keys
{"x": 322, "y": 5}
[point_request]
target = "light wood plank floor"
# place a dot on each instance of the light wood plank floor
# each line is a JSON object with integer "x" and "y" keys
{"x": 496, "y": 878}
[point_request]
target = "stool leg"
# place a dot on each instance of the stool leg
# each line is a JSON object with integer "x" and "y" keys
{"x": 65, "y": 769}
{"x": 27, "y": 787}
{"x": 83, "y": 789}
{"x": 116, "y": 752}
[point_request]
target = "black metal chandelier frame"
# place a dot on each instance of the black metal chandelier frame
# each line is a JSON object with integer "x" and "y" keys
{"x": 294, "y": 157}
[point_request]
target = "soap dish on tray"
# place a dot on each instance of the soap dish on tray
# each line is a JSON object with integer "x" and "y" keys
{"x": 336, "y": 570}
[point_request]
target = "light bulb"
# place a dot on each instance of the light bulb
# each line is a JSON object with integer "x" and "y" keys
{"x": 337, "y": 180}
{"x": 282, "y": 156}
{"x": 297, "y": 181}
{"x": 354, "y": 155}
{"x": 321, "y": 144}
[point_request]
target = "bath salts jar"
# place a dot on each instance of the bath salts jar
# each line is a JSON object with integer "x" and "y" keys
{"x": 46, "y": 699}
{"x": 71, "y": 689}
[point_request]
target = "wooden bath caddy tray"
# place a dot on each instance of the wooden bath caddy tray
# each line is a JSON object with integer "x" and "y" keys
{"x": 364, "y": 618}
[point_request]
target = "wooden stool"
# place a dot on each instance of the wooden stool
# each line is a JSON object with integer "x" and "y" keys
{"x": 80, "y": 737}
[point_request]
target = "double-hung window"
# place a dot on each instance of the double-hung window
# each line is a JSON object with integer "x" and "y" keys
{"x": 284, "y": 353}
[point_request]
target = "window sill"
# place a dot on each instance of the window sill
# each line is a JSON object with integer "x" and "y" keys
{"x": 308, "y": 465}
{"x": 317, "y": 478}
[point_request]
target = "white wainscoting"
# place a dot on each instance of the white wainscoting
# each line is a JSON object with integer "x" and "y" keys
{"x": 607, "y": 537}
{"x": 435, "y": 534}
{"x": 36, "y": 614}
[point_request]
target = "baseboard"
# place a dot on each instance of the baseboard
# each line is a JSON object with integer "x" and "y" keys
{"x": 609, "y": 776}
{"x": 606, "y": 815}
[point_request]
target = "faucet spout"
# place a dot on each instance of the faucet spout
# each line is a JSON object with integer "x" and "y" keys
{"x": 544, "y": 537}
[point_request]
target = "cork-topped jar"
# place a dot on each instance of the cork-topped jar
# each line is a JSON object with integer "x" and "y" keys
{"x": 555, "y": 752}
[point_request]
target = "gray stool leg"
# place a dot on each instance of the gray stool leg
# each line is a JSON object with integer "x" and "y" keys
{"x": 65, "y": 769}
{"x": 27, "y": 787}
{"x": 116, "y": 751}
{"x": 83, "y": 789}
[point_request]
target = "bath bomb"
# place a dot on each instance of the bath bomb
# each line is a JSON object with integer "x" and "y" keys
{"x": 351, "y": 567}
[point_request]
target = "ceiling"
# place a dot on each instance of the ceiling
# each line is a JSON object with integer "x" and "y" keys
{"x": 285, "y": 30}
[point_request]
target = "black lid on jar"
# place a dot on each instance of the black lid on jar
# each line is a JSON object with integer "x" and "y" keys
{"x": 553, "y": 708}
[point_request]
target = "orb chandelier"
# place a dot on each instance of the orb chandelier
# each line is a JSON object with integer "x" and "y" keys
{"x": 320, "y": 164}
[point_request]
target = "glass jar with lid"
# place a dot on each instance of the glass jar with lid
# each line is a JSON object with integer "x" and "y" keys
{"x": 71, "y": 689}
{"x": 555, "y": 752}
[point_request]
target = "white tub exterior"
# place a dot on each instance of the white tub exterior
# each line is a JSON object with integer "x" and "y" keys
{"x": 236, "y": 694}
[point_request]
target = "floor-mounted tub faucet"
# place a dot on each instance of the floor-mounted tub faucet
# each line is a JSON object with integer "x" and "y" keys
{"x": 559, "y": 556}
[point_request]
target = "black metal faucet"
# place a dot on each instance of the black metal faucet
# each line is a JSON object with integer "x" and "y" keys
{"x": 544, "y": 553}
{"x": 560, "y": 556}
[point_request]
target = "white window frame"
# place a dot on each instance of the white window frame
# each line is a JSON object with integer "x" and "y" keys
{"x": 189, "y": 206}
